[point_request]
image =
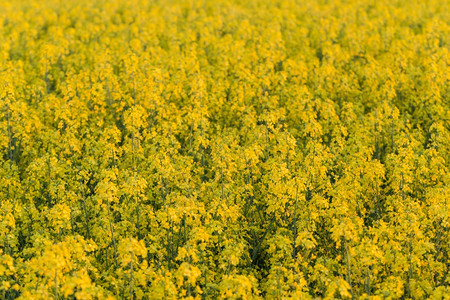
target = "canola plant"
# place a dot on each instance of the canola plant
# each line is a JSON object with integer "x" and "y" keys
{"x": 259, "y": 149}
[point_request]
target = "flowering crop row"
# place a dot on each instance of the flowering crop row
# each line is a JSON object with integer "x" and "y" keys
{"x": 185, "y": 149}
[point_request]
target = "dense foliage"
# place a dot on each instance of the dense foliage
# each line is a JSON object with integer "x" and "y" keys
{"x": 272, "y": 149}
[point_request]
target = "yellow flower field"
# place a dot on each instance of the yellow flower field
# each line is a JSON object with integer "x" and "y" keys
{"x": 224, "y": 149}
